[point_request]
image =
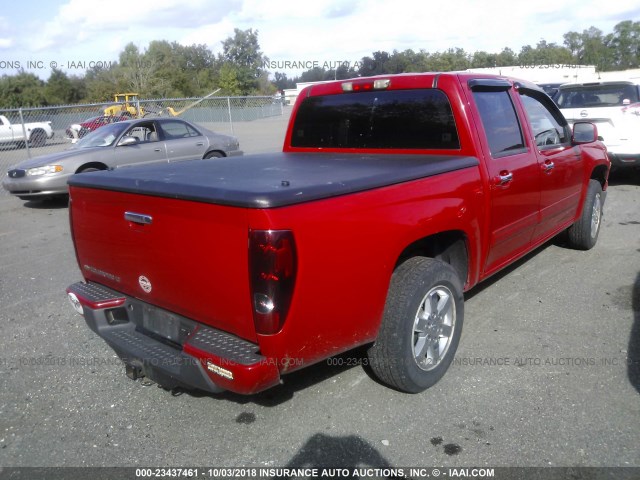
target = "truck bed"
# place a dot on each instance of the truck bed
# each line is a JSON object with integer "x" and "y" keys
{"x": 273, "y": 179}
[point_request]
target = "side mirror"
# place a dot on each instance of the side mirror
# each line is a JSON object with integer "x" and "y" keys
{"x": 127, "y": 141}
{"x": 584, "y": 132}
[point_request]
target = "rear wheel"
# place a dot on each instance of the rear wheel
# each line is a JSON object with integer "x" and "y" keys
{"x": 583, "y": 234}
{"x": 213, "y": 155}
{"x": 90, "y": 169}
{"x": 38, "y": 138}
{"x": 421, "y": 326}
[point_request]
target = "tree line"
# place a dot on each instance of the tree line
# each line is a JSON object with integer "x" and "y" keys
{"x": 171, "y": 70}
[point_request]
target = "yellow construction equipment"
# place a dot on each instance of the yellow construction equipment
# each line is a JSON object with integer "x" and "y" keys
{"x": 127, "y": 104}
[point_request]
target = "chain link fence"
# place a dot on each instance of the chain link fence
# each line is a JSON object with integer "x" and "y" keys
{"x": 53, "y": 129}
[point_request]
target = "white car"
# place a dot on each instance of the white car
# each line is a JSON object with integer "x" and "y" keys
{"x": 37, "y": 133}
{"x": 615, "y": 109}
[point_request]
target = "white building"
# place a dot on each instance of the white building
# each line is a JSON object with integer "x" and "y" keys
{"x": 545, "y": 73}
{"x": 560, "y": 73}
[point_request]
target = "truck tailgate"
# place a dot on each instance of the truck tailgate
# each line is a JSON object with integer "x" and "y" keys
{"x": 187, "y": 257}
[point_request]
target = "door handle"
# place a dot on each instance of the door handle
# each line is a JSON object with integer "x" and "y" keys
{"x": 503, "y": 178}
{"x": 157, "y": 149}
{"x": 199, "y": 144}
{"x": 548, "y": 166}
{"x": 139, "y": 218}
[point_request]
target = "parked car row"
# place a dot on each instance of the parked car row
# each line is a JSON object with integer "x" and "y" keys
{"x": 115, "y": 145}
{"x": 107, "y": 141}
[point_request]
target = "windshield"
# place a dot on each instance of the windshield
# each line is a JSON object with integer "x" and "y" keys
{"x": 103, "y": 137}
{"x": 599, "y": 95}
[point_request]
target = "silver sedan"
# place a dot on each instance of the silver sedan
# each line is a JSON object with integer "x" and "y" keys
{"x": 142, "y": 141}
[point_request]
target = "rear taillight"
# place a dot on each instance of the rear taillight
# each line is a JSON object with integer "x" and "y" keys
{"x": 272, "y": 270}
{"x": 72, "y": 230}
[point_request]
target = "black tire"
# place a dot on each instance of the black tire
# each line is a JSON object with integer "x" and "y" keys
{"x": 38, "y": 138}
{"x": 583, "y": 234}
{"x": 59, "y": 198}
{"x": 89, "y": 169}
{"x": 401, "y": 354}
{"x": 213, "y": 155}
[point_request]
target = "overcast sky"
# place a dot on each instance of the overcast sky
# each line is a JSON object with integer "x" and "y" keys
{"x": 68, "y": 32}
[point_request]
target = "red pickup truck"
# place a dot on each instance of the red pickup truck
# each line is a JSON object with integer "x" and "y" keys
{"x": 392, "y": 197}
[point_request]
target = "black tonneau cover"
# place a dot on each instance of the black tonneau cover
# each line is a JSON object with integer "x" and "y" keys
{"x": 272, "y": 179}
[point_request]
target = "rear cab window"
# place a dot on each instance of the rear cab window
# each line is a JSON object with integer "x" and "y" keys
{"x": 389, "y": 119}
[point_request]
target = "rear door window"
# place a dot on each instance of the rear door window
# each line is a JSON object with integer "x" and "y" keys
{"x": 174, "y": 129}
{"x": 500, "y": 122}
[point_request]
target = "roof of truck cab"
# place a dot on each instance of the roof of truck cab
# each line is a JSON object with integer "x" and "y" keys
{"x": 413, "y": 80}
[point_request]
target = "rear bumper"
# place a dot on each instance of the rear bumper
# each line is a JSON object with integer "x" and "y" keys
{"x": 173, "y": 350}
{"x": 624, "y": 160}
{"x": 624, "y": 153}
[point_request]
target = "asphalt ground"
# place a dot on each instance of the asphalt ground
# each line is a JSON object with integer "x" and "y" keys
{"x": 547, "y": 372}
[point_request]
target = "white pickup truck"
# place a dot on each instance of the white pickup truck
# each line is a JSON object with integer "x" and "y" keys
{"x": 37, "y": 133}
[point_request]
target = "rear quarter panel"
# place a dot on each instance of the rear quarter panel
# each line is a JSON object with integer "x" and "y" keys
{"x": 348, "y": 248}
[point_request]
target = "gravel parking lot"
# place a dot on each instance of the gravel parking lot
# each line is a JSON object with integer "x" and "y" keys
{"x": 547, "y": 373}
